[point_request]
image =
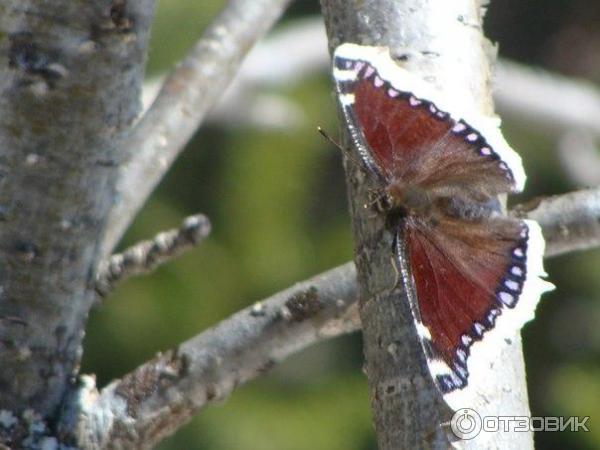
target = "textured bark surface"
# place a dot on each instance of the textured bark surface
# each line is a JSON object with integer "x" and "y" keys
{"x": 185, "y": 98}
{"x": 443, "y": 42}
{"x": 71, "y": 76}
{"x": 160, "y": 396}
{"x": 70, "y": 96}
{"x": 576, "y": 227}
{"x": 62, "y": 111}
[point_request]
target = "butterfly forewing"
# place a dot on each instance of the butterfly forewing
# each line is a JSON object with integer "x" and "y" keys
{"x": 408, "y": 137}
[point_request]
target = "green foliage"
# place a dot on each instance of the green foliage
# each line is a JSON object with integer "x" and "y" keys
{"x": 178, "y": 25}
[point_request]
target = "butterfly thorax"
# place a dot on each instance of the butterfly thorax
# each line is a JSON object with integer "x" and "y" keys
{"x": 416, "y": 201}
{"x": 410, "y": 199}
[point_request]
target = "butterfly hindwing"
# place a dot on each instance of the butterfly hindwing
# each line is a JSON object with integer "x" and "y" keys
{"x": 474, "y": 285}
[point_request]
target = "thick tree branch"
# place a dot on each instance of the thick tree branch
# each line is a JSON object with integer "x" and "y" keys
{"x": 162, "y": 394}
{"x": 187, "y": 95}
{"x": 62, "y": 111}
{"x": 146, "y": 256}
{"x": 442, "y": 42}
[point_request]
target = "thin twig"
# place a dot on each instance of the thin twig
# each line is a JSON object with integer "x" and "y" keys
{"x": 162, "y": 394}
{"x": 146, "y": 256}
{"x": 187, "y": 95}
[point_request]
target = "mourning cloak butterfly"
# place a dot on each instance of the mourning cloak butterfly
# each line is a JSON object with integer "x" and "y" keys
{"x": 476, "y": 273}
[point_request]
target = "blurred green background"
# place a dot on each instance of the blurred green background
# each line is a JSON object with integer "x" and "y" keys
{"x": 276, "y": 198}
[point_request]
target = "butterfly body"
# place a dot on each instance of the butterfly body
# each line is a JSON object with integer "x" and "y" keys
{"x": 474, "y": 274}
{"x": 419, "y": 203}
{"x": 409, "y": 199}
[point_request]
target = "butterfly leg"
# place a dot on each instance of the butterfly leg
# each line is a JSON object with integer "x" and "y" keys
{"x": 378, "y": 203}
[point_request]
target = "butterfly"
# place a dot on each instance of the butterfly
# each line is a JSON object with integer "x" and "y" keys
{"x": 477, "y": 274}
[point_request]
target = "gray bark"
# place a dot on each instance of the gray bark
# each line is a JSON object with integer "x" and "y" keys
{"x": 570, "y": 222}
{"x": 62, "y": 112}
{"x": 160, "y": 396}
{"x": 70, "y": 95}
{"x": 185, "y": 98}
{"x": 443, "y": 42}
{"x": 65, "y": 122}
{"x": 144, "y": 257}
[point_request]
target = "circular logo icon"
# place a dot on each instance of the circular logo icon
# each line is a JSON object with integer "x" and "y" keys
{"x": 465, "y": 423}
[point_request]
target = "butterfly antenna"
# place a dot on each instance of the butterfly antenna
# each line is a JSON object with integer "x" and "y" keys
{"x": 344, "y": 150}
{"x": 329, "y": 139}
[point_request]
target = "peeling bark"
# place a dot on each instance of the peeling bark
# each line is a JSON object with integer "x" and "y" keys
{"x": 146, "y": 256}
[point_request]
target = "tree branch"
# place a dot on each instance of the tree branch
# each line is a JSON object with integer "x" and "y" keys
{"x": 442, "y": 42}
{"x": 62, "y": 110}
{"x": 547, "y": 102}
{"x": 551, "y": 103}
{"x": 187, "y": 95}
{"x": 146, "y": 256}
{"x": 162, "y": 394}
{"x": 570, "y": 222}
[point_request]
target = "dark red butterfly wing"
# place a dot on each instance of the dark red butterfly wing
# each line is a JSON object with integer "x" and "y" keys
{"x": 464, "y": 278}
{"x": 473, "y": 270}
{"x": 403, "y": 136}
